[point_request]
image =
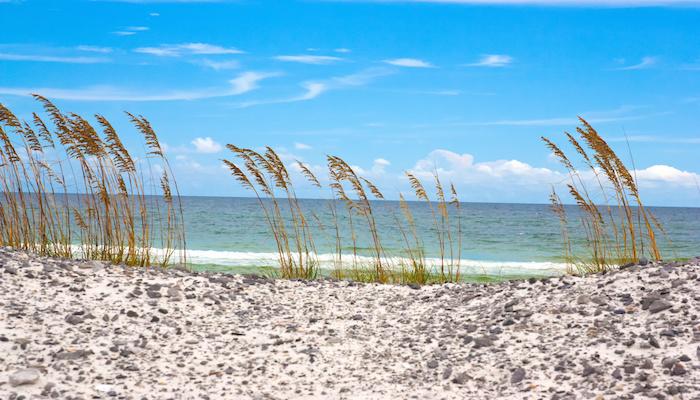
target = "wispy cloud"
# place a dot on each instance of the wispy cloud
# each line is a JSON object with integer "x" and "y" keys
{"x": 302, "y": 146}
{"x": 493, "y": 61}
{"x": 95, "y": 49}
{"x": 556, "y": 3}
{"x": 52, "y": 59}
{"x": 566, "y": 121}
{"x": 248, "y": 81}
{"x": 437, "y": 92}
{"x": 130, "y": 30}
{"x": 309, "y": 59}
{"x": 691, "y": 67}
{"x": 645, "y": 63}
{"x": 177, "y": 50}
{"x": 243, "y": 83}
{"x": 408, "y": 63}
{"x": 220, "y": 65}
{"x": 313, "y": 89}
{"x": 623, "y": 113}
{"x": 654, "y": 139}
{"x": 342, "y": 50}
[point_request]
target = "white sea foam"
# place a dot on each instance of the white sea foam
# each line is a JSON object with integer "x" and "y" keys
{"x": 328, "y": 261}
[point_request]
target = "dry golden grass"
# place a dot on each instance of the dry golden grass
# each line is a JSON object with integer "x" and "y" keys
{"x": 288, "y": 224}
{"x": 68, "y": 190}
{"x": 618, "y": 228}
{"x": 267, "y": 176}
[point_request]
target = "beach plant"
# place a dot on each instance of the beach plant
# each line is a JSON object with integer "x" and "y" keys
{"x": 352, "y": 209}
{"x": 268, "y": 178}
{"x": 449, "y": 245}
{"x": 344, "y": 174}
{"x": 618, "y": 228}
{"x": 69, "y": 190}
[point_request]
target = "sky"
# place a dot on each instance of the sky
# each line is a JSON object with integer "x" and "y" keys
{"x": 464, "y": 87}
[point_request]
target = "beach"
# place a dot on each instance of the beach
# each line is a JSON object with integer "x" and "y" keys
{"x": 86, "y": 329}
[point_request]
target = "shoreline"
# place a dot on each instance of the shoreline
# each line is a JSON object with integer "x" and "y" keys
{"x": 85, "y": 329}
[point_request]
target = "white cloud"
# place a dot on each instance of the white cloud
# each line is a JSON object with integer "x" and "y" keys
{"x": 245, "y": 82}
{"x": 493, "y": 61}
{"x": 309, "y": 59}
{"x": 177, "y": 50}
{"x": 206, "y": 145}
{"x": 313, "y": 89}
{"x": 646, "y": 62}
{"x": 342, "y": 50}
{"x": 95, "y": 49}
{"x": 131, "y": 30}
{"x": 379, "y": 166}
{"x": 382, "y": 161}
{"x": 220, "y": 65}
{"x": 248, "y": 81}
{"x": 360, "y": 78}
{"x": 154, "y": 14}
{"x": 656, "y": 174}
{"x": 409, "y": 63}
{"x": 302, "y": 146}
{"x": 52, "y": 59}
{"x": 462, "y": 169}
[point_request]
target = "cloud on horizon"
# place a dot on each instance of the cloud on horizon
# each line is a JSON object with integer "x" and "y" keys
{"x": 463, "y": 169}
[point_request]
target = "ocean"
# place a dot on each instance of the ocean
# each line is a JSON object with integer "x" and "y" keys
{"x": 230, "y": 234}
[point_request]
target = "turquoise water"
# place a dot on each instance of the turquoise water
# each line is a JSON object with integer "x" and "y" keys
{"x": 231, "y": 234}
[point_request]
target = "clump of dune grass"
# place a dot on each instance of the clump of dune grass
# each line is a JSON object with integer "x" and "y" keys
{"x": 618, "y": 228}
{"x": 450, "y": 247}
{"x": 352, "y": 210}
{"x": 70, "y": 188}
{"x": 268, "y": 178}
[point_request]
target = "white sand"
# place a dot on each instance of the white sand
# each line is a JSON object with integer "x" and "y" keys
{"x": 68, "y": 330}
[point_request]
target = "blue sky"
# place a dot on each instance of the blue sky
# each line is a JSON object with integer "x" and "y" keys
{"x": 464, "y": 86}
